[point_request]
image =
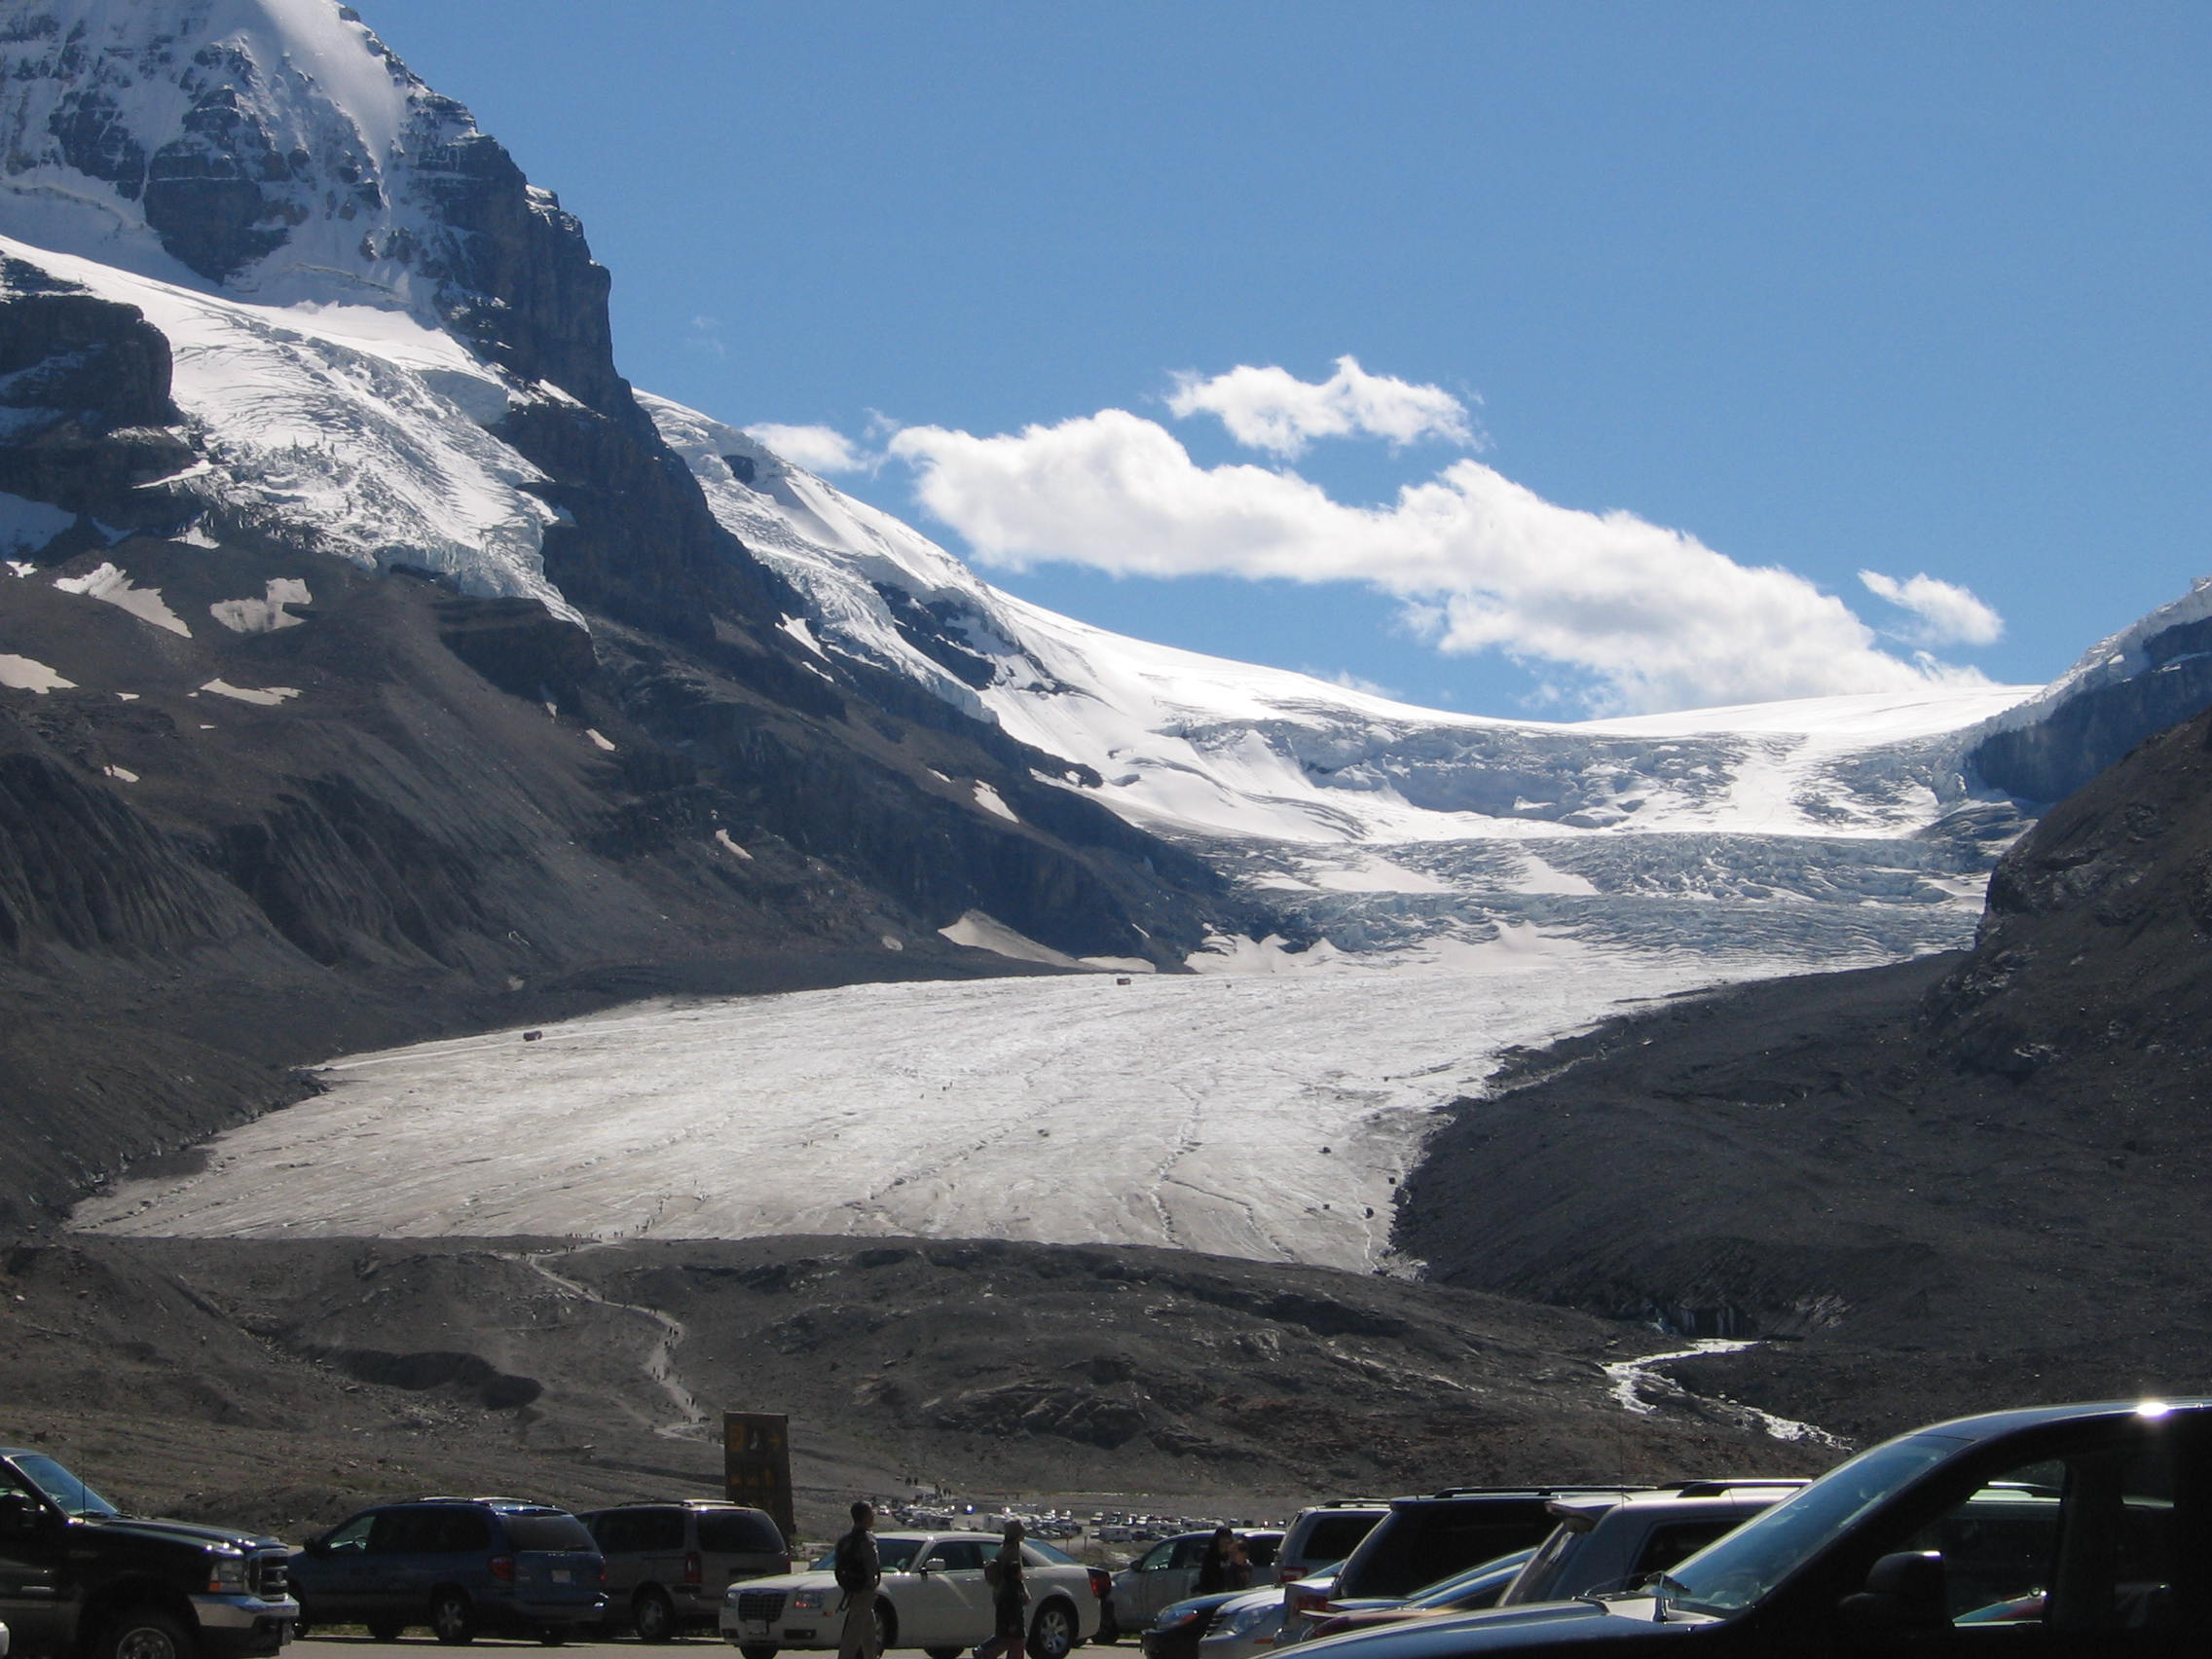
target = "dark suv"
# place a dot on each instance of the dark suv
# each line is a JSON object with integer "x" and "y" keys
{"x": 669, "y": 1564}
{"x": 458, "y": 1565}
{"x": 1423, "y": 1539}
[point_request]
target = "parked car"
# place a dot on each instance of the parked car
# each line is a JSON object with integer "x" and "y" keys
{"x": 1478, "y": 1587}
{"x": 2050, "y": 1533}
{"x": 1323, "y": 1534}
{"x": 457, "y": 1565}
{"x": 1605, "y": 1543}
{"x": 1427, "y": 1538}
{"x": 667, "y": 1564}
{"x": 1168, "y": 1572}
{"x": 80, "y": 1579}
{"x": 1181, "y": 1625}
{"x": 934, "y": 1595}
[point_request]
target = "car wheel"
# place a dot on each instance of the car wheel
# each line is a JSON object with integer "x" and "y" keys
{"x": 453, "y": 1621}
{"x": 652, "y": 1616}
{"x": 144, "y": 1632}
{"x": 383, "y": 1630}
{"x": 886, "y": 1626}
{"x": 758, "y": 1651}
{"x": 944, "y": 1652}
{"x": 552, "y": 1636}
{"x": 1109, "y": 1626}
{"x": 1052, "y": 1632}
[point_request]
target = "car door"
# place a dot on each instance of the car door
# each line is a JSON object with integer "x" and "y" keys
{"x": 332, "y": 1578}
{"x": 37, "y": 1603}
{"x": 1155, "y": 1582}
{"x": 2093, "y": 1545}
{"x": 949, "y": 1599}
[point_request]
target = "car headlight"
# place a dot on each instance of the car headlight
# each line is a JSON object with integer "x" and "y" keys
{"x": 226, "y": 1573}
{"x": 809, "y": 1601}
{"x": 1176, "y": 1617}
{"x": 1245, "y": 1620}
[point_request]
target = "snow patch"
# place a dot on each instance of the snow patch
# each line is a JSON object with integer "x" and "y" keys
{"x": 599, "y": 741}
{"x": 110, "y": 585}
{"x": 120, "y": 774}
{"x": 265, "y": 614}
{"x": 723, "y": 835}
{"x": 21, "y": 568}
{"x": 990, "y": 801}
{"x": 797, "y": 628}
{"x": 23, "y": 674}
{"x": 979, "y": 932}
{"x": 267, "y": 697}
{"x": 1236, "y": 953}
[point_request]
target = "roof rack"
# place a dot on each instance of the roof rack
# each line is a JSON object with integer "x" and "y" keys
{"x": 1720, "y": 1488}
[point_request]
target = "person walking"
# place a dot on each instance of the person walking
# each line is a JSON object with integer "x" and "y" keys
{"x": 860, "y": 1570}
{"x": 1010, "y": 1598}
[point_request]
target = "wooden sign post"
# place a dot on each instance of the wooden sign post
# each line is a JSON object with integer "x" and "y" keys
{"x": 756, "y": 1464}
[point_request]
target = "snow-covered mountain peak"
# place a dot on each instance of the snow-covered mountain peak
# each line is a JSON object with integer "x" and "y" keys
{"x": 277, "y": 150}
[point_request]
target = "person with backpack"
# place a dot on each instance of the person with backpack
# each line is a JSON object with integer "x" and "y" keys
{"x": 1010, "y": 1597}
{"x": 860, "y": 1570}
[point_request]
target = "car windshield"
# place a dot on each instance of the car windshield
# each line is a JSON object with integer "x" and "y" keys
{"x": 1052, "y": 1556}
{"x": 896, "y": 1555}
{"x": 1736, "y": 1571}
{"x": 63, "y": 1490}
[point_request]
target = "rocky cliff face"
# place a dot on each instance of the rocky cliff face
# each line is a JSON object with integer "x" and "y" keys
{"x": 344, "y": 699}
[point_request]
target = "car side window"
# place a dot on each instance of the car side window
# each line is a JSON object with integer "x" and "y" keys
{"x": 461, "y": 1531}
{"x": 1189, "y": 1552}
{"x": 353, "y": 1538}
{"x": 2079, "y": 1543}
{"x": 390, "y": 1532}
{"x": 1675, "y": 1541}
{"x": 1156, "y": 1558}
{"x": 659, "y": 1530}
{"x": 957, "y": 1555}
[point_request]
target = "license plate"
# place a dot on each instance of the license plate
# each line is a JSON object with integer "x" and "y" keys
{"x": 560, "y": 1576}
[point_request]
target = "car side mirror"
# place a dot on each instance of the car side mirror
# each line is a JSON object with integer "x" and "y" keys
{"x": 1906, "y": 1591}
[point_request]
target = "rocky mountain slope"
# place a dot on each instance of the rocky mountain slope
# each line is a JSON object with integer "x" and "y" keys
{"x": 286, "y": 1384}
{"x": 368, "y": 665}
{"x": 1973, "y": 1176}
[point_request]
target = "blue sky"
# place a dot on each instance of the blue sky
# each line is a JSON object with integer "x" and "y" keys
{"x": 1910, "y": 289}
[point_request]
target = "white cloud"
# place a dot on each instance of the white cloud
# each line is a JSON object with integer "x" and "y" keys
{"x": 1614, "y": 612}
{"x": 1948, "y": 615}
{"x": 1272, "y": 409}
{"x": 818, "y": 449}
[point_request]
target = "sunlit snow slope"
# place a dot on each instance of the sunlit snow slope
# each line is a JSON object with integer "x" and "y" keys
{"x": 1837, "y": 828}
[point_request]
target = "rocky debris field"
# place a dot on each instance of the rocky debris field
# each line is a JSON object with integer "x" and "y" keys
{"x": 285, "y": 1384}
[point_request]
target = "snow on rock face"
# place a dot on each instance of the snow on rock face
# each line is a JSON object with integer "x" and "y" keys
{"x": 277, "y": 150}
{"x": 267, "y": 614}
{"x": 23, "y": 674}
{"x": 349, "y": 430}
{"x": 1829, "y": 821}
{"x": 112, "y": 586}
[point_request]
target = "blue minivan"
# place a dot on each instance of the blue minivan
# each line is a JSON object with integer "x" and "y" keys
{"x": 457, "y": 1565}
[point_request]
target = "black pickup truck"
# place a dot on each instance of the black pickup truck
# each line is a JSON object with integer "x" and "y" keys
{"x": 80, "y": 1579}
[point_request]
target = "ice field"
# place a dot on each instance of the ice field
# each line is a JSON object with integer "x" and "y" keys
{"x": 1262, "y": 1116}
